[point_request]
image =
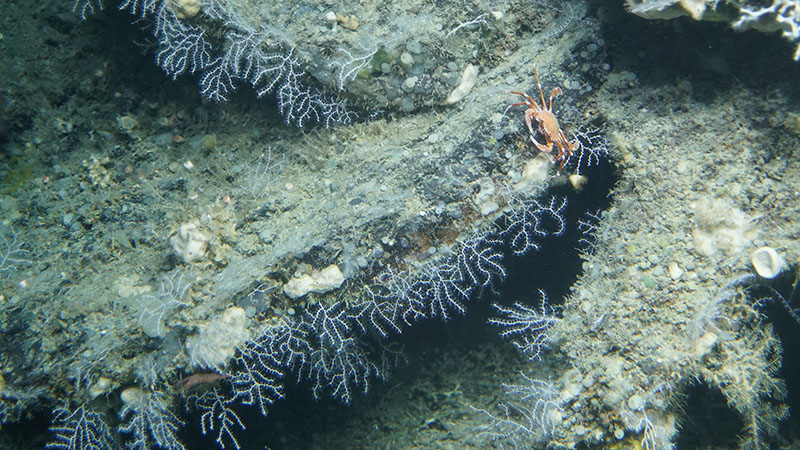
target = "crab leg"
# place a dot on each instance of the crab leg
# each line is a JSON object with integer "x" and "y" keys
{"x": 541, "y": 93}
{"x": 529, "y": 115}
{"x": 530, "y": 102}
{"x": 556, "y": 92}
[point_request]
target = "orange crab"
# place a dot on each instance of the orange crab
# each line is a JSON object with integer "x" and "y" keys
{"x": 548, "y": 124}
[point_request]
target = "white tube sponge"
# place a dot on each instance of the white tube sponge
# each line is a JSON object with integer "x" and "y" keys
{"x": 216, "y": 343}
{"x": 185, "y": 9}
{"x": 467, "y": 82}
{"x": 319, "y": 282}
{"x": 189, "y": 243}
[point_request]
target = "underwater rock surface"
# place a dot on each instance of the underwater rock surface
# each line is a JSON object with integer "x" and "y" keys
{"x": 429, "y": 210}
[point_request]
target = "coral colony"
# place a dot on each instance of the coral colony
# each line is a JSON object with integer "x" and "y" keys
{"x": 334, "y": 347}
{"x": 245, "y": 55}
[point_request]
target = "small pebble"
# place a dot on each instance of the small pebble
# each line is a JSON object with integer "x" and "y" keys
{"x": 68, "y": 220}
{"x": 675, "y": 272}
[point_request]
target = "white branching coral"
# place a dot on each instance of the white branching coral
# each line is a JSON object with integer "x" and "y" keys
{"x": 148, "y": 420}
{"x": 782, "y": 15}
{"x": 526, "y": 326}
{"x": 80, "y": 429}
{"x": 532, "y": 412}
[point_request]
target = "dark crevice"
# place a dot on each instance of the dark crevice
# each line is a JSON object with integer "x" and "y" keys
{"x": 708, "y": 422}
{"x": 554, "y": 268}
{"x": 776, "y": 298}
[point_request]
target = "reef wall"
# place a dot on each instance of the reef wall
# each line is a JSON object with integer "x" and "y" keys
{"x": 161, "y": 251}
